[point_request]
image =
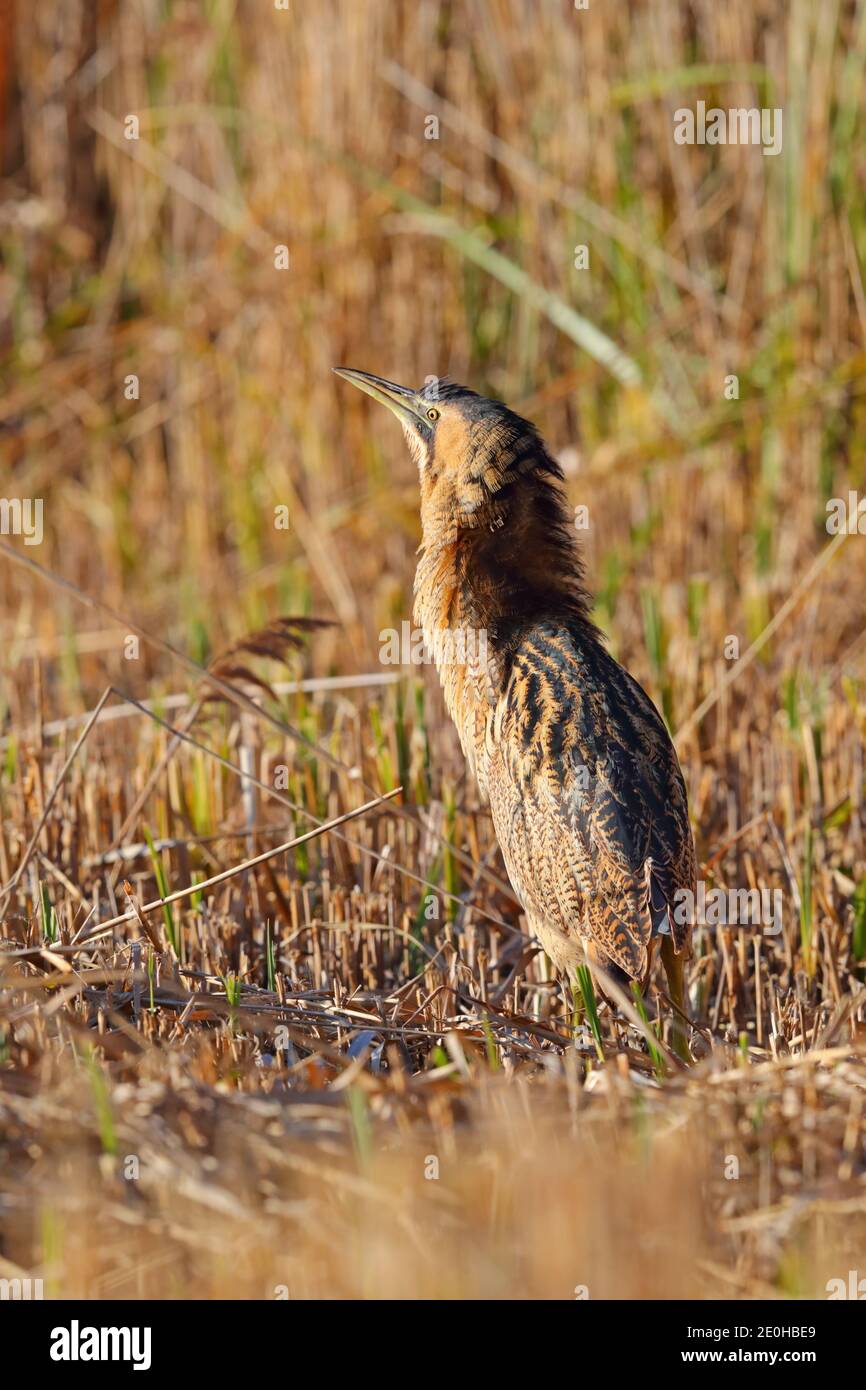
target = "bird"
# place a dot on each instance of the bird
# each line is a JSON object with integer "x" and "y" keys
{"x": 586, "y": 793}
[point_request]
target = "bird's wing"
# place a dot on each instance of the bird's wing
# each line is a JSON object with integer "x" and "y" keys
{"x": 587, "y": 787}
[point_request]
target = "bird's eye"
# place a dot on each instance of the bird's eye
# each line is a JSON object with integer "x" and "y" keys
{"x": 432, "y": 414}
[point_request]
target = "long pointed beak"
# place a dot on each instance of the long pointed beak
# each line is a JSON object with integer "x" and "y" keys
{"x": 401, "y": 400}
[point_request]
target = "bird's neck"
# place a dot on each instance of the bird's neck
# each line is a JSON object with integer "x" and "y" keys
{"x": 475, "y": 589}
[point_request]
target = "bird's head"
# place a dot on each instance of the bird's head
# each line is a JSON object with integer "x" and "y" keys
{"x": 476, "y": 458}
{"x": 491, "y": 494}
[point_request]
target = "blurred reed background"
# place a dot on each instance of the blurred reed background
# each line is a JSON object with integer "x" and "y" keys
{"x": 154, "y": 258}
{"x": 307, "y": 128}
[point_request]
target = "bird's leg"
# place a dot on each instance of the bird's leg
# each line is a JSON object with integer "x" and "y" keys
{"x": 673, "y": 965}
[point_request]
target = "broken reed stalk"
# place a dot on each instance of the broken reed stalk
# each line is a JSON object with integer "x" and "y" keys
{"x": 302, "y": 811}
{"x": 232, "y": 693}
{"x": 46, "y": 810}
{"x": 247, "y": 864}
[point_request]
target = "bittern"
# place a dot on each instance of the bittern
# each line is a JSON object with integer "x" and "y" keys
{"x": 586, "y": 793}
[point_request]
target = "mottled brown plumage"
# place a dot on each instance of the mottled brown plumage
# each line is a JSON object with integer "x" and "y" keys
{"x": 585, "y": 789}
